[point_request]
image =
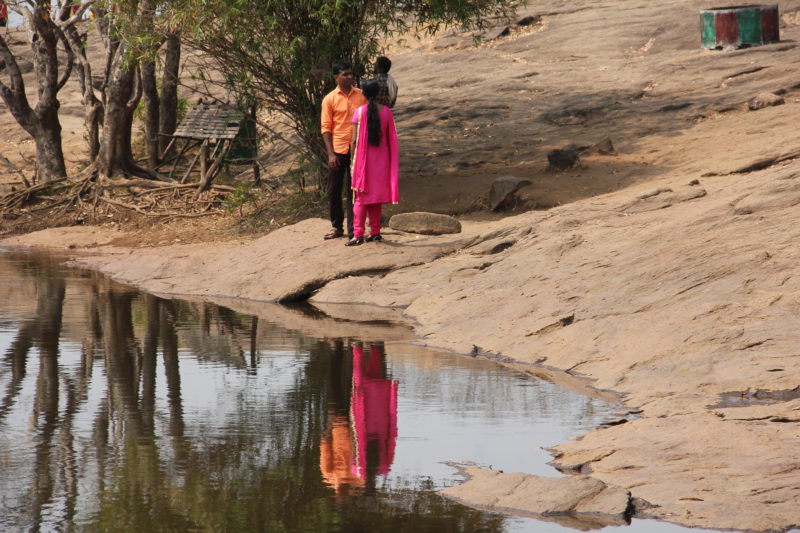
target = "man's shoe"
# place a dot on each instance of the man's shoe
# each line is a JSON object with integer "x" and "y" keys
{"x": 335, "y": 233}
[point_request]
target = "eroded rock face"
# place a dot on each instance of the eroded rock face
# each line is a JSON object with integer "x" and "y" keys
{"x": 425, "y": 223}
{"x": 528, "y": 494}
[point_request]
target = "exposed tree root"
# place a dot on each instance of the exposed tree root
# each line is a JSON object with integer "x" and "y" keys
{"x": 87, "y": 199}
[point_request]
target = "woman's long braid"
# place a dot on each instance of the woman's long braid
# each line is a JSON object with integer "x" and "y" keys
{"x": 373, "y": 122}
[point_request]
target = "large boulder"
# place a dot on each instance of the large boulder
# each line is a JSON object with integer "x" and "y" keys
{"x": 425, "y": 223}
{"x": 504, "y": 188}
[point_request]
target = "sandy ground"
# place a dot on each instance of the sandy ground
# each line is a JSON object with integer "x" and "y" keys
{"x": 665, "y": 273}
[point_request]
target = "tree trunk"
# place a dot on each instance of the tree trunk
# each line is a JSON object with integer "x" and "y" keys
{"x": 41, "y": 122}
{"x": 151, "y": 123}
{"x": 122, "y": 94}
{"x": 111, "y": 157}
{"x": 49, "y": 153}
{"x": 93, "y": 117}
{"x": 92, "y": 107}
{"x": 168, "y": 118}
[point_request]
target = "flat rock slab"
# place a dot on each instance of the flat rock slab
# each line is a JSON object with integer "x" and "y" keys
{"x": 425, "y": 223}
{"x": 528, "y": 494}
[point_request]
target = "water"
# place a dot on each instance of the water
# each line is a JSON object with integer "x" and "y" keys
{"x": 14, "y": 19}
{"x": 121, "y": 411}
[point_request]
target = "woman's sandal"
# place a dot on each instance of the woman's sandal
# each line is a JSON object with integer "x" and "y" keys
{"x": 374, "y": 238}
{"x": 355, "y": 242}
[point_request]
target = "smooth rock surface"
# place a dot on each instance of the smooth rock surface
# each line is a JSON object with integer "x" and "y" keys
{"x": 287, "y": 264}
{"x": 425, "y": 223}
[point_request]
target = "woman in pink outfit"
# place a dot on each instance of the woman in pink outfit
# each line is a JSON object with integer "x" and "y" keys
{"x": 375, "y": 165}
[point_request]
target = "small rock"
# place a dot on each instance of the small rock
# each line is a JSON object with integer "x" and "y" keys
{"x": 763, "y": 100}
{"x": 425, "y": 223}
{"x": 527, "y": 21}
{"x": 562, "y": 159}
{"x": 504, "y": 188}
{"x": 605, "y": 147}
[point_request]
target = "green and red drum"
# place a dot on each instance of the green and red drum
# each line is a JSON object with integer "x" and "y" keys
{"x": 739, "y": 26}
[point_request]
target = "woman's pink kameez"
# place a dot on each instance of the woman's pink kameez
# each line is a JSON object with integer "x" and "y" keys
{"x": 375, "y": 170}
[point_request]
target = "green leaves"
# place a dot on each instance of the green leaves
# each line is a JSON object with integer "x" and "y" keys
{"x": 277, "y": 49}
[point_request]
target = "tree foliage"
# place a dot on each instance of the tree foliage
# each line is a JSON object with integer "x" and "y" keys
{"x": 280, "y": 52}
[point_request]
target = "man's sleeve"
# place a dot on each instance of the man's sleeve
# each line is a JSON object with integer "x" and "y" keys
{"x": 392, "y": 86}
{"x": 327, "y": 116}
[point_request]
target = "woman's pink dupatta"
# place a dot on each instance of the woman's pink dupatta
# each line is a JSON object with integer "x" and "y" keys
{"x": 359, "y": 179}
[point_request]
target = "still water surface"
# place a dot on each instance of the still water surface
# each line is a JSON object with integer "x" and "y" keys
{"x": 122, "y": 411}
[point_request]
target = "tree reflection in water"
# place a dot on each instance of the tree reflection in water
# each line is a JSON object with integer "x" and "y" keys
{"x": 108, "y": 426}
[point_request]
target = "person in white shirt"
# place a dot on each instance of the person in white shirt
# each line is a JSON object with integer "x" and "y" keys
{"x": 387, "y": 93}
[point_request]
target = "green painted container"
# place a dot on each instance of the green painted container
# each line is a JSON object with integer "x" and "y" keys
{"x": 708, "y": 32}
{"x": 749, "y": 22}
{"x": 739, "y": 26}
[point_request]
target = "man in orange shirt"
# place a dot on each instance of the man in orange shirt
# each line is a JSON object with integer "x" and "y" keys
{"x": 337, "y": 131}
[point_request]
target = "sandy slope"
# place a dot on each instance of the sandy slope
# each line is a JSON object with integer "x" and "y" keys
{"x": 674, "y": 290}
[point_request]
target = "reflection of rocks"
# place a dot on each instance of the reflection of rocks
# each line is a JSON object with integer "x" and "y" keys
{"x": 425, "y": 223}
{"x": 519, "y": 493}
{"x": 385, "y": 324}
{"x": 504, "y": 188}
